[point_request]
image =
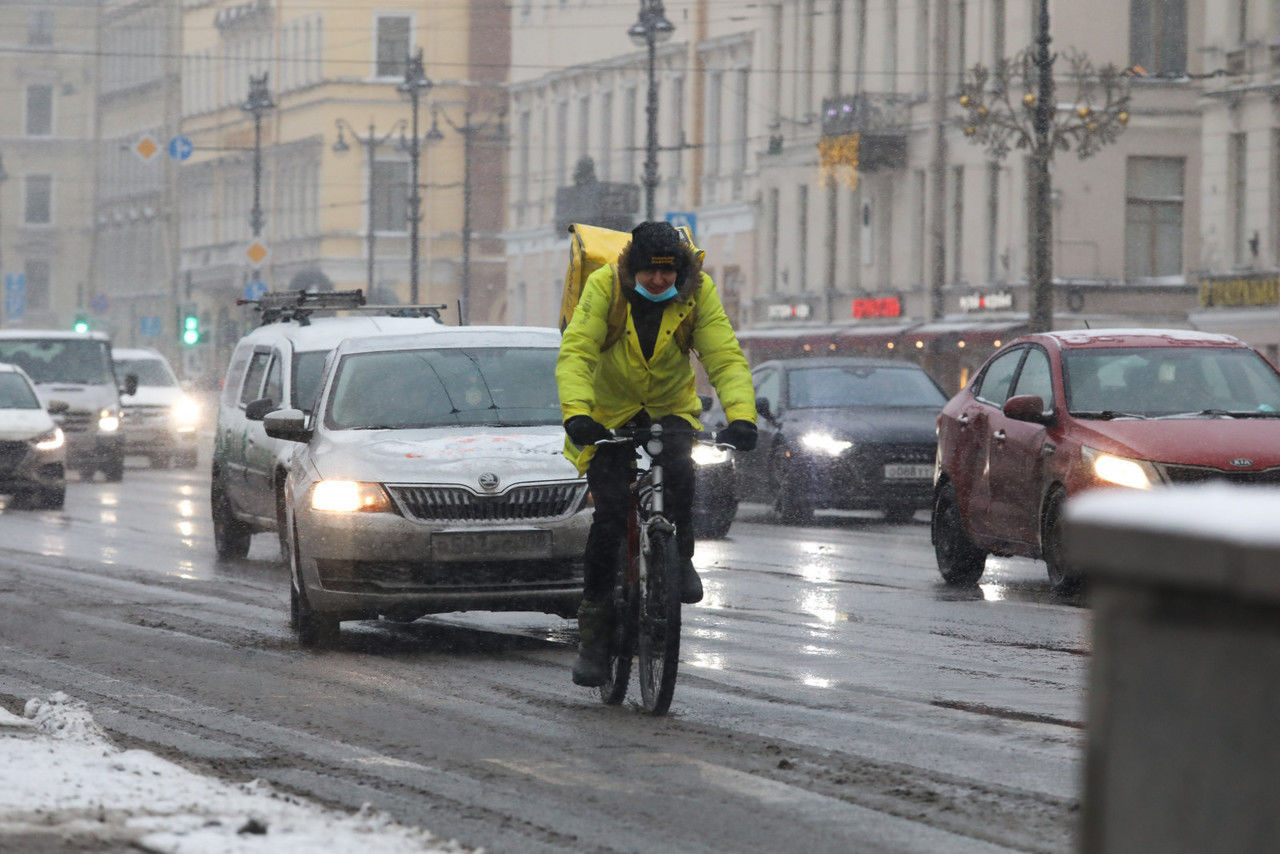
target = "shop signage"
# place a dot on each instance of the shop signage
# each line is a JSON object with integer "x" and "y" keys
{"x": 877, "y": 307}
{"x": 799, "y": 311}
{"x": 995, "y": 301}
{"x": 1240, "y": 291}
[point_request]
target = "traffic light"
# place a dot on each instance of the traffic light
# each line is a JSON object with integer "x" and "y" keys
{"x": 81, "y": 324}
{"x": 190, "y": 329}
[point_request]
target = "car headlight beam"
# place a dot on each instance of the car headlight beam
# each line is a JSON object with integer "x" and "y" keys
{"x": 51, "y": 441}
{"x": 709, "y": 455}
{"x": 186, "y": 412}
{"x": 349, "y": 496}
{"x": 825, "y": 443}
{"x": 1121, "y": 471}
{"x": 108, "y": 421}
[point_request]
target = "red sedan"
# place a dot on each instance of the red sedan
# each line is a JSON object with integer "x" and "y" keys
{"x": 1053, "y": 414}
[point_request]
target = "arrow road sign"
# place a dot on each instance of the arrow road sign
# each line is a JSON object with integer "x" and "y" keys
{"x": 180, "y": 148}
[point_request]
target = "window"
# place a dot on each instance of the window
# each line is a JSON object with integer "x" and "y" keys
{"x": 274, "y": 387}
{"x": 40, "y": 27}
{"x": 39, "y": 110}
{"x": 39, "y": 202}
{"x": 1036, "y": 378}
{"x": 957, "y": 224}
{"x": 392, "y": 51}
{"x": 802, "y": 242}
{"x": 37, "y": 273}
{"x": 1237, "y": 170}
{"x": 1153, "y": 217}
{"x": 253, "y": 378}
{"x": 390, "y": 195}
{"x": 1158, "y": 35}
{"x": 993, "y": 386}
{"x": 605, "y": 120}
{"x": 562, "y": 158}
{"x": 769, "y": 386}
{"x": 584, "y": 127}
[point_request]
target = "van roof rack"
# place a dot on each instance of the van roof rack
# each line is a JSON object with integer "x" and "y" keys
{"x": 282, "y": 306}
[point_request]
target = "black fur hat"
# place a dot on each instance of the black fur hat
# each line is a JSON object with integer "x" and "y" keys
{"x": 656, "y": 246}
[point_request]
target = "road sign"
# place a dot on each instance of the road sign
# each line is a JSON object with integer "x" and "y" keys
{"x": 255, "y": 289}
{"x": 146, "y": 148}
{"x": 180, "y": 148}
{"x": 149, "y": 326}
{"x": 100, "y": 303}
{"x": 687, "y": 219}
{"x": 15, "y": 296}
{"x": 257, "y": 253}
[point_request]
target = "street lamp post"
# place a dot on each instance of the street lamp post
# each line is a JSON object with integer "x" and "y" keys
{"x": 415, "y": 84}
{"x": 258, "y": 103}
{"x": 994, "y": 118}
{"x": 370, "y": 144}
{"x": 650, "y": 28}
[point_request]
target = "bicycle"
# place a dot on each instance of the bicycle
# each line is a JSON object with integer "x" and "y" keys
{"x": 646, "y": 596}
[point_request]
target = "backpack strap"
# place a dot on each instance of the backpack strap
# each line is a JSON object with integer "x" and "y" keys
{"x": 616, "y": 322}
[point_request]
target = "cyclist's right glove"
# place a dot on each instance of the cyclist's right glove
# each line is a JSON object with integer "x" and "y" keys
{"x": 740, "y": 434}
{"x": 584, "y": 430}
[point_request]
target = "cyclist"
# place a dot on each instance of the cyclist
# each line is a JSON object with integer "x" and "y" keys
{"x": 646, "y": 376}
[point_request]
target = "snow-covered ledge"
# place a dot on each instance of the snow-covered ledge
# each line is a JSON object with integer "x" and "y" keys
{"x": 1184, "y": 708}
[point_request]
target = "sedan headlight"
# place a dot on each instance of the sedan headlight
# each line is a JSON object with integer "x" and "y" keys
{"x": 825, "y": 443}
{"x": 1121, "y": 471}
{"x": 709, "y": 455}
{"x": 186, "y": 413}
{"x": 108, "y": 421}
{"x": 349, "y": 496}
{"x": 51, "y": 441}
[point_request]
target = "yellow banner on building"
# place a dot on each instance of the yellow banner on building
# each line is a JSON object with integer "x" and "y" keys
{"x": 1239, "y": 292}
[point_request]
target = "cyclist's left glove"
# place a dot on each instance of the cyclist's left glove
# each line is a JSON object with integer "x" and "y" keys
{"x": 584, "y": 430}
{"x": 740, "y": 434}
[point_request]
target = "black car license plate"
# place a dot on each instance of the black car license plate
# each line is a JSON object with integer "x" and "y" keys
{"x": 490, "y": 545}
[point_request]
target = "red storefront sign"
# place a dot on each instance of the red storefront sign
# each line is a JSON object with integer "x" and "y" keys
{"x": 877, "y": 307}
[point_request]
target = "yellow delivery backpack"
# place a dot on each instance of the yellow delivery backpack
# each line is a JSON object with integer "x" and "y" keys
{"x": 592, "y": 247}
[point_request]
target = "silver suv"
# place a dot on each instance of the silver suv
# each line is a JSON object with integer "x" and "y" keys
{"x": 279, "y": 365}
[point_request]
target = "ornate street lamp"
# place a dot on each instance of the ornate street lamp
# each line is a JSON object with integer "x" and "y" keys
{"x": 1014, "y": 106}
{"x": 370, "y": 144}
{"x": 414, "y": 85}
{"x": 651, "y": 28}
{"x": 258, "y": 103}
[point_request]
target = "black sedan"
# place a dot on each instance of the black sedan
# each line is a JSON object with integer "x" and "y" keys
{"x": 843, "y": 433}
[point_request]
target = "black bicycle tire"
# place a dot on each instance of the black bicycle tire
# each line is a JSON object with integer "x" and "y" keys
{"x": 659, "y": 657}
{"x": 614, "y": 690}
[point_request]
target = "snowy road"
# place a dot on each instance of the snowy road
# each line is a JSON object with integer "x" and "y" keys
{"x": 833, "y": 696}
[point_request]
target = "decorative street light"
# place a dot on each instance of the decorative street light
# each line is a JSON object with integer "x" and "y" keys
{"x": 415, "y": 85}
{"x": 470, "y": 131}
{"x": 258, "y": 103}
{"x": 1014, "y": 106}
{"x": 370, "y": 144}
{"x": 649, "y": 29}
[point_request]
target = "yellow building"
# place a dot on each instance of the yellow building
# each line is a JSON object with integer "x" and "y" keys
{"x": 47, "y": 95}
{"x": 335, "y": 152}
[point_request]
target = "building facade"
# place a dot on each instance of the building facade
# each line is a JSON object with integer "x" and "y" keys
{"x": 334, "y": 152}
{"x": 48, "y": 76}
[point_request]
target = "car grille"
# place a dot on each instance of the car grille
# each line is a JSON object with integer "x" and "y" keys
{"x": 146, "y": 414}
{"x": 77, "y": 421}
{"x": 11, "y": 455}
{"x": 1203, "y": 474}
{"x": 374, "y": 576}
{"x": 455, "y": 504}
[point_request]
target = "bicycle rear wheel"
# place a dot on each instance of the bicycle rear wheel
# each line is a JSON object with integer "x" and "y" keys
{"x": 659, "y": 636}
{"x": 622, "y": 644}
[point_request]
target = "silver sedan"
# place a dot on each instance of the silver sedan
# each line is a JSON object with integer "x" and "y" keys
{"x": 430, "y": 478}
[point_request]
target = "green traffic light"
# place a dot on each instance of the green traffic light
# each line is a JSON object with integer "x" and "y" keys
{"x": 81, "y": 325}
{"x": 190, "y": 336}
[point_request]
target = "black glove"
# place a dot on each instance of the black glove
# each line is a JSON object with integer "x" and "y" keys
{"x": 584, "y": 430}
{"x": 740, "y": 434}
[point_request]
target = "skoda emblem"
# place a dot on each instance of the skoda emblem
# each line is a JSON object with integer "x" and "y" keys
{"x": 1241, "y": 463}
{"x": 488, "y": 481}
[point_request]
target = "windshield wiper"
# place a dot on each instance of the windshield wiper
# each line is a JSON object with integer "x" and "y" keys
{"x": 1233, "y": 413}
{"x": 1108, "y": 414}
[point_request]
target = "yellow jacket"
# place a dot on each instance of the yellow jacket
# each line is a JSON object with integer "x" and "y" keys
{"x": 614, "y": 385}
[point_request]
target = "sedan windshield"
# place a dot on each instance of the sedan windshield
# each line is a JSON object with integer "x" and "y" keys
{"x": 1162, "y": 381}
{"x": 835, "y": 387}
{"x": 406, "y": 389}
{"x": 16, "y": 392}
{"x": 152, "y": 372}
{"x": 59, "y": 360}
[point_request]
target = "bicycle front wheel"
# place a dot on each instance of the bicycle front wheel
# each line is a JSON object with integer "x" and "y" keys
{"x": 622, "y": 643}
{"x": 659, "y": 641}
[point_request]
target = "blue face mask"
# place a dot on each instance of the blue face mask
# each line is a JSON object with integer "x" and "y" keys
{"x": 669, "y": 293}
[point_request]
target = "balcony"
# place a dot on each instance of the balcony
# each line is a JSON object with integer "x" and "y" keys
{"x": 606, "y": 204}
{"x": 880, "y": 121}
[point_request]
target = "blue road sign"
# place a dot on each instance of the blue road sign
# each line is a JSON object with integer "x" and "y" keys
{"x": 180, "y": 148}
{"x": 255, "y": 289}
{"x": 100, "y": 303}
{"x": 15, "y": 296}
{"x": 149, "y": 326}
{"x": 690, "y": 219}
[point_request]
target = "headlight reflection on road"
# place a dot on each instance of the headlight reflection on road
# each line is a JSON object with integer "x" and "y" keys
{"x": 818, "y": 573}
{"x": 186, "y": 529}
{"x": 708, "y": 660}
{"x": 810, "y": 649}
{"x": 815, "y": 681}
{"x": 822, "y": 604}
{"x": 186, "y": 508}
{"x": 993, "y": 592}
{"x": 707, "y": 634}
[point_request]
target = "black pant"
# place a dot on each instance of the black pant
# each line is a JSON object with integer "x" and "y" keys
{"x": 609, "y": 475}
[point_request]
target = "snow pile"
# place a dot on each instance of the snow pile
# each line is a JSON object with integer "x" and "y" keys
{"x": 61, "y": 778}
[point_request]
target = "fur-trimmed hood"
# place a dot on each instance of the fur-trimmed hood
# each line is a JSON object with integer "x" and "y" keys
{"x": 688, "y": 271}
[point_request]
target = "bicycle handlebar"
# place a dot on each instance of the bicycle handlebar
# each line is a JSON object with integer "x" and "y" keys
{"x": 640, "y": 435}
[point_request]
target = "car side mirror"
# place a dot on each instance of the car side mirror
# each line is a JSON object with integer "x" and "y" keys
{"x": 58, "y": 407}
{"x": 257, "y": 410}
{"x": 763, "y": 408}
{"x": 287, "y": 424}
{"x": 1027, "y": 407}
{"x": 130, "y": 385}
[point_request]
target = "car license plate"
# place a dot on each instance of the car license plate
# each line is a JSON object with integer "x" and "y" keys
{"x": 490, "y": 545}
{"x": 908, "y": 471}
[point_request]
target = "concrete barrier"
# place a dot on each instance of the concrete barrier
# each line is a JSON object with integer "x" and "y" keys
{"x": 1183, "y": 742}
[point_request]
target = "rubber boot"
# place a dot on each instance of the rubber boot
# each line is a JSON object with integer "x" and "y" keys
{"x": 595, "y": 632}
{"x": 690, "y": 583}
